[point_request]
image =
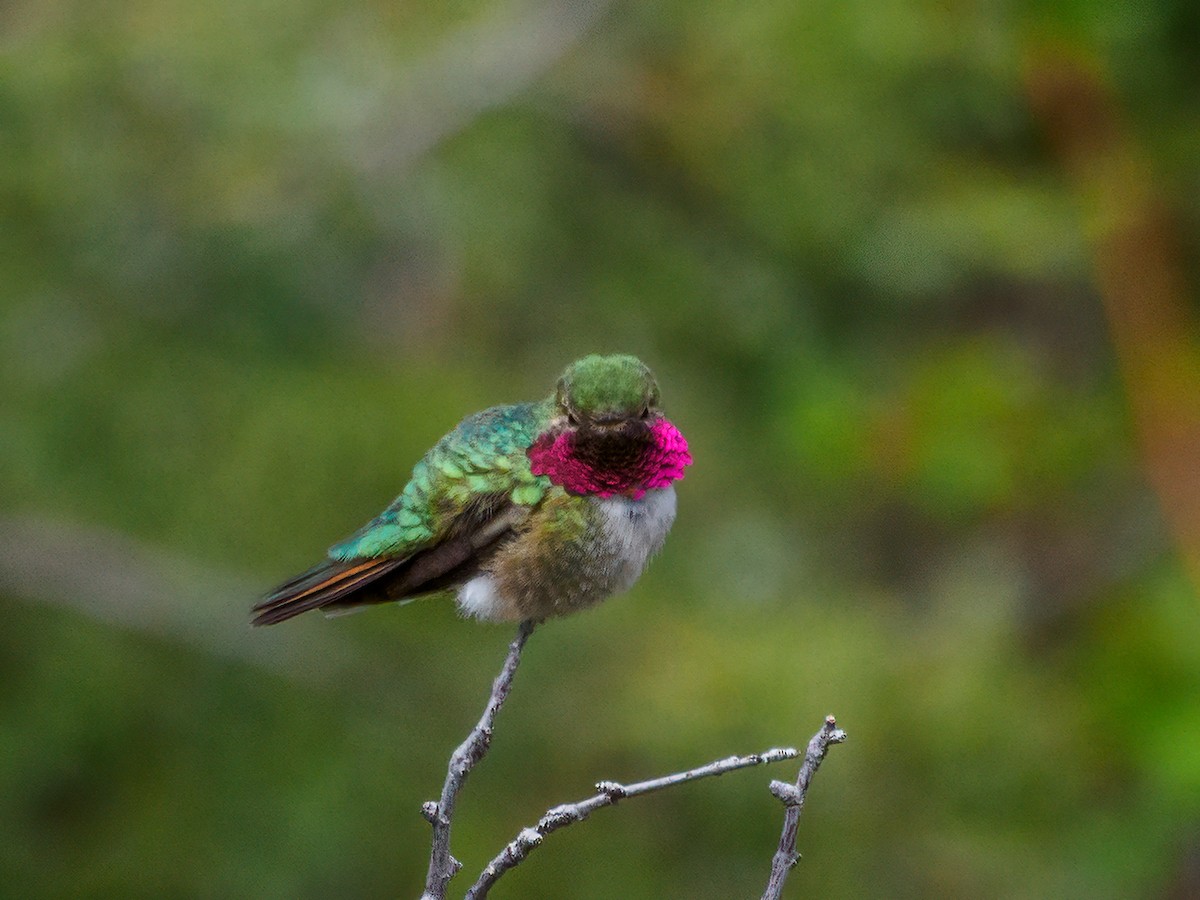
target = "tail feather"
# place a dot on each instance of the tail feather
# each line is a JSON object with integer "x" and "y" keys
{"x": 330, "y": 583}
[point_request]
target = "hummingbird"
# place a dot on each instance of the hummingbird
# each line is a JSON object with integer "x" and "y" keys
{"x": 525, "y": 511}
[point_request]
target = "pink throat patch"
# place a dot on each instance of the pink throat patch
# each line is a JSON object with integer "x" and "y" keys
{"x": 662, "y": 463}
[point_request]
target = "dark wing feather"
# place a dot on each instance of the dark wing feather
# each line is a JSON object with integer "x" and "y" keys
{"x": 476, "y": 533}
{"x": 322, "y": 585}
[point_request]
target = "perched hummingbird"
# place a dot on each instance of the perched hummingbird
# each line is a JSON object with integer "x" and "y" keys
{"x": 525, "y": 511}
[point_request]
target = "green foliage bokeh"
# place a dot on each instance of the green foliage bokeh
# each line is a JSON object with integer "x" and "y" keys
{"x": 236, "y": 305}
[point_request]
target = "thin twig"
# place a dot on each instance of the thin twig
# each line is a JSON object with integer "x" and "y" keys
{"x": 609, "y": 792}
{"x": 792, "y": 796}
{"x": 442, "y": 865}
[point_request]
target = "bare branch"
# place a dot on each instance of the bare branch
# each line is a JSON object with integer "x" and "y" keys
{"x": 477, "y": 69}
{"x": 609, "y": 792}
{"x": 792, "y": 796}
{"x": 125, "y": 583}
{"x": 442, "y": 865}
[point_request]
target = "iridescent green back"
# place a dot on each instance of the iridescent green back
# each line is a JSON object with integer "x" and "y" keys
{"x": 484, "y": 455}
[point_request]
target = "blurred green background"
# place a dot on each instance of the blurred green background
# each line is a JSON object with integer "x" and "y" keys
{"x": 887, "y": 260}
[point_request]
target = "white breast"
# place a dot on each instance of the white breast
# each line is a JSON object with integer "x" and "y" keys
{"x": 635, "y": 530}
{"x": 626, "y": 534}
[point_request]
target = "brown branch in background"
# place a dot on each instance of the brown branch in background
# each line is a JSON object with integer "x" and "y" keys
{"x": 792, "y": 796}
{"x": 609, "y": 792}
{"x": 1139, "y": 276}
{"x": 442, "y": 865}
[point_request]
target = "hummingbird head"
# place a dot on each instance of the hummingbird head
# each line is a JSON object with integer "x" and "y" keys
{"x": 608, "y": 394}
{"x": 608, "y": 435}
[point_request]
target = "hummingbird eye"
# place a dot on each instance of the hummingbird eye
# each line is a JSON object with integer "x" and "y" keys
{"x": 572, "y": 419}
{"x": 646, "y": 411}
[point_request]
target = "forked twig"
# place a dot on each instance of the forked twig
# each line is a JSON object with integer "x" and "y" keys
{"x": 608, "y": 793}
{"x": 443, "y": 866}
{"x": 792, "y": 796}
